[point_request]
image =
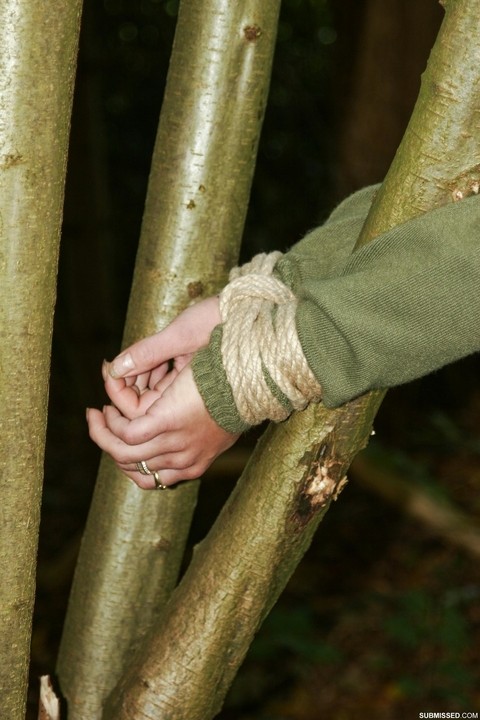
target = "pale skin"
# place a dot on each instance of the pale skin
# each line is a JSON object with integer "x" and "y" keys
{"x": 157, "y": 414}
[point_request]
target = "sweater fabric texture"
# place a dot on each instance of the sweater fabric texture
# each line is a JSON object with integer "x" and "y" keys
{"x": 396, "y": 309}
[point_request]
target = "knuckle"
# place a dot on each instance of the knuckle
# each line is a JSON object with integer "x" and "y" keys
{"x": 173, "y": 461}
{"x": 179, "y": 462}
{"x": 121, "y": 458}
{"x": 128, "y": 435}
{"x": 182, "y": 460}
{"x": 122, "y": 455}
{"x": 131, "y": 435}
{"x": 193, "y": 472}
{"x": 145, "y": 355}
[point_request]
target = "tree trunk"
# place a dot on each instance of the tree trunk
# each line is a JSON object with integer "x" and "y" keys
{"x": 38, "y": 47}
{"x": 196, "y": 204}
{"x": 389, "y": 42}
{"x": 189, "y": 660}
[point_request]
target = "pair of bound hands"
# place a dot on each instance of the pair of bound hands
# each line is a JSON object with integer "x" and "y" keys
{"x": 157, "y": 414}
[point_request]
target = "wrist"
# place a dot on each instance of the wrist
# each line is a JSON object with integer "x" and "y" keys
{"x": 213, "y": 386}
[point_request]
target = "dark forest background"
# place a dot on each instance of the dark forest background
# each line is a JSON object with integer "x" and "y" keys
{"x": 382, "y": 618}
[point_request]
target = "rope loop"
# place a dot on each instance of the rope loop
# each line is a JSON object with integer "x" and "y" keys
{"x": 261, "y": 352}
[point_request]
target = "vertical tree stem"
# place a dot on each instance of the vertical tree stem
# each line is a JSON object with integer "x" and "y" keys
{"x": 38, "y": 48}
{"x": 189, "y": 660}
{"x": 196, "y": 204}
{"x": 438, "y": 160}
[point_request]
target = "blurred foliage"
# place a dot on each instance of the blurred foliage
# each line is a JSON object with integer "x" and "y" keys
{"x": 416, "y": 620}
{"x": 381, "y": 655}
{"x": 295, "y": 630}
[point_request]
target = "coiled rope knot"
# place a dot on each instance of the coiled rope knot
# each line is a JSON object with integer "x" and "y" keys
{"x": 261, "y": 352}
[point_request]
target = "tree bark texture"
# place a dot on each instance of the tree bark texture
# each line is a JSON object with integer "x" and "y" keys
{"x": 195, "y": 209}
{"x": 239, "y": 570}
{"x": 38, "y": 49}
{"x": 237, "y": 573}
{"x": 438, "y": 160}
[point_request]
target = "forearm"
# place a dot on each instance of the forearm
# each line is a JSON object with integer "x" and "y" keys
{"x": 320, "y": 251}
{"x": 395, "y": 310}
{"x": 401, "y": 307}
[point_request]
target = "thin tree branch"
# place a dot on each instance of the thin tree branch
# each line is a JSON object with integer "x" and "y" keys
{"x": 441, "y": 517}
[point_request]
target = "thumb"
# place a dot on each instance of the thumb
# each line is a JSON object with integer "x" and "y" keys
{"x": 141, "y": 357}
{"x": 184, "y": 335}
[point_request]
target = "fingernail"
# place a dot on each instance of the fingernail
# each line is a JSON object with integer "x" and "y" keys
{"x": 121, "y": 365}
{"x": 86, "y": 412}
{"x": 104, "y": 369}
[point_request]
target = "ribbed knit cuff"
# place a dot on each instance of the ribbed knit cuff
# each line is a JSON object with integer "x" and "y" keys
{"x": 213, "y": 386}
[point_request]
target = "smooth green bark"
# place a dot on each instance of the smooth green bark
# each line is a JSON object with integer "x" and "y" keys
{"x": 196, "y": 204}
{"x": 239, "y": 570}
{"x": 438, "y": 160}
{"x": 237, "y": 573}
{"x": 38, "y": 48}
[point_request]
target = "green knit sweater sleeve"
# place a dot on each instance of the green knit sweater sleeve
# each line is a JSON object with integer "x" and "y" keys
{"x": 325, "y": 247}
{"x": 398, "y": 308}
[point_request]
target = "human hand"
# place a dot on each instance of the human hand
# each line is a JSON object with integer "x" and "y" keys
{"x": 158, "y": 415}
{"x": 175, "y": 435}
{"x": 160, "y": 357}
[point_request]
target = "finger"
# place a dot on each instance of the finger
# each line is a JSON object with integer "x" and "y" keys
{"x": 121, "y": 452}
{"x": 104, "y": 438}
{"x": 172, "y": 460}
{"x": 157, "y": 374}
{"x": 187, "y": 333}
{"x": 166, "y": 478}
{"x": 128, "y": 399}
{"x": 182, "y": 360}
{"x": 165, "y": 382}
{"x": 141, "y": 429}
{"x": 125, "y": 397}
{"x": 151, "y": 352}
{"x": 171, "y": 477}
{"x": 160, "y": 449}
{"x": 139, "y": 382}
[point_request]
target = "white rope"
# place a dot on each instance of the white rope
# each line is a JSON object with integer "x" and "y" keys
{"x": 259, "y": 331}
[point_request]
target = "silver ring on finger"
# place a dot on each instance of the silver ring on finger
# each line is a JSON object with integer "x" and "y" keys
{"x": 143, "y": 468}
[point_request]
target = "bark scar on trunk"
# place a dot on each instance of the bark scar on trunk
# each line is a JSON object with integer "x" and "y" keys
{"x": 465, "y": 184}
{"x": 252, "y": 32}
{"x": 10, "y": 160}
{"x": 323, "y": 480}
